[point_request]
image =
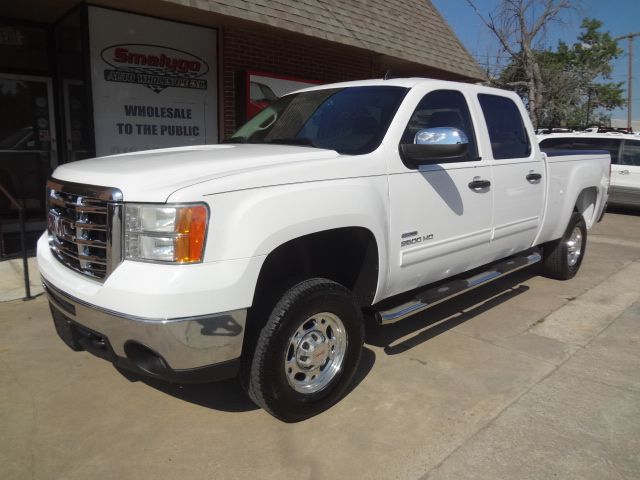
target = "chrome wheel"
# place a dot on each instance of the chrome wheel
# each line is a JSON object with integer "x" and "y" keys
{"x": 574, "y": 247}
{"x": 316, "y": 353}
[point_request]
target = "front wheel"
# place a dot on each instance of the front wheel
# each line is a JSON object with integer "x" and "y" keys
{"x": 308, "y": 351}
{"x": 563, "y": 257}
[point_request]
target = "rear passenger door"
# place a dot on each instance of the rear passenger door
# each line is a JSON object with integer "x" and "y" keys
{"x": 518, "y": 176}
{"x": 626, "y": 175}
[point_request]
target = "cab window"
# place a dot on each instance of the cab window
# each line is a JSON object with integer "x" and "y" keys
{"x": 507, "y": 133}
{"x": 443, "y": 108}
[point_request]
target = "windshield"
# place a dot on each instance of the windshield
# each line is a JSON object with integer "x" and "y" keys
{"x": 350, "y": 120}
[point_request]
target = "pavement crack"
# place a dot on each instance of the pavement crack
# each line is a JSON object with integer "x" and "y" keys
{"x": 492, "y": 420}
{"x": 570, "y": 299}
{"x": 421, "y": 362}
{"x": 515, "y": 400}
{"x": 537, "y": 322}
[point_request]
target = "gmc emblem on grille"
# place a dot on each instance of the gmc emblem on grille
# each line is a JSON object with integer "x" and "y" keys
{"x": 58, "y": 226}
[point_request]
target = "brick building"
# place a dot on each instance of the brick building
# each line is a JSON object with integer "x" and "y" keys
{"x": 79, "y": 80}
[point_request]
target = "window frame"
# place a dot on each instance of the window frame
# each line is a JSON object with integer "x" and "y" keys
{"x": 530, "y": 150}
{"x": 472, "y": 136}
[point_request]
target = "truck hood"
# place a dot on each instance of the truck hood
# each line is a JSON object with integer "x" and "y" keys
{"x": 154, "y": 175}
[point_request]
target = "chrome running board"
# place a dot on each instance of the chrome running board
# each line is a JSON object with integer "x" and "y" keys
{"x": 435, "y": 295}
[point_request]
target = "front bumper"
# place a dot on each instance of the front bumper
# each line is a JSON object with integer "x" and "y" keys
{"x": 193, "y": 349}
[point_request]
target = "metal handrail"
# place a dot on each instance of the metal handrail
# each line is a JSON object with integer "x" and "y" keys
{"x": 25, "y": 264}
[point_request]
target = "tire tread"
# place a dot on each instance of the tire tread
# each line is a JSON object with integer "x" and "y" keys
{"x": 554, "y": 263}
{"x": 260, "y": 373}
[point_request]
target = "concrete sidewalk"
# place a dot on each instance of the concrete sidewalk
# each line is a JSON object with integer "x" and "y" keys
{"x": 12, "y": 279}
{"x": 582, "y": 420}
{"x": 525, "y": 378}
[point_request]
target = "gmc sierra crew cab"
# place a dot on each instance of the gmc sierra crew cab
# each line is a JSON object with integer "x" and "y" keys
{"x": 256, "y": 257}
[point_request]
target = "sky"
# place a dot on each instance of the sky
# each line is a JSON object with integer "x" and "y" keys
{"x": 619, "y": 17}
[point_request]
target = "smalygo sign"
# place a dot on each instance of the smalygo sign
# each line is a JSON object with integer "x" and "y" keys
{"x": 154, "y": 66}
{"x": 153, "y": 82}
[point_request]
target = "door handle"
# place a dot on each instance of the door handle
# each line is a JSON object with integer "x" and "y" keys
{"x": 534, "y": 177}
{"x": 478, "y": 184}
{"x": 624, "y": 172}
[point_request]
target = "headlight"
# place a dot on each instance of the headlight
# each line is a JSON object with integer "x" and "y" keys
{"x": 165, "y": 233}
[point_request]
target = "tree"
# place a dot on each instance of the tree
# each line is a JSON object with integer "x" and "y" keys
{"x": 518, "y": 26}
{"x": 589, "y": 59}
{"x": 574, "y": 79}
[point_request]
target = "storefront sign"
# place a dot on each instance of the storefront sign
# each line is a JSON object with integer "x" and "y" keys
{"x": 154, "y": 66}
{"x": 11, "y": 36}
{"x": 154, "y": 82}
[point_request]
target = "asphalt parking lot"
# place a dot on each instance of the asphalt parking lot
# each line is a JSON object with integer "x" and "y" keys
{"x": 528, "y": 378}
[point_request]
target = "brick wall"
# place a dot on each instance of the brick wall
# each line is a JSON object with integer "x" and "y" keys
{"x": 295, "y": 56}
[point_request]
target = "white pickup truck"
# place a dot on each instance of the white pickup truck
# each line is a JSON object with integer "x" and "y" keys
{"x": 255, "y": 258}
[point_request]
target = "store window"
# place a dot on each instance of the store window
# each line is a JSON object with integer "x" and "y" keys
{"x": 23, "y": 49}
{"x": 72, "y": 65}
{"x": 28, "y": 149}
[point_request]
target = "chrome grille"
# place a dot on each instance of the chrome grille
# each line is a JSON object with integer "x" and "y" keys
{"x": 84, "y": 223}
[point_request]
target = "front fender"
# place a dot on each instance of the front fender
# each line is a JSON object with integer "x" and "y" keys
{"x": 255, "y": 222}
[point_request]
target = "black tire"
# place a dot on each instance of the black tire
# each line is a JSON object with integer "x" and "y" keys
{"x": 304, "y": 307}
{"x": 556, "y": 258}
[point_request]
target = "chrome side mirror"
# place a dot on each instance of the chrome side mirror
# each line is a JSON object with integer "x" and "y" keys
{"x": 440, "y": 136}
{"x": 435, "y": 145}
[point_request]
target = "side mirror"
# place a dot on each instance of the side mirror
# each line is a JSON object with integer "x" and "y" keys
{"x": 435, "y": 145}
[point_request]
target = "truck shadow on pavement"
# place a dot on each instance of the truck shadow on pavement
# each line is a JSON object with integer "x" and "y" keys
{"x": 225, "y": 395}
{"x": 406, "y": 334}
{"x": 621, "y": 210}
{"x": 228, "y": 395}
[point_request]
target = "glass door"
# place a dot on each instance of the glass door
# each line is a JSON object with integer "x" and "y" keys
{"x": 27, "y": 155}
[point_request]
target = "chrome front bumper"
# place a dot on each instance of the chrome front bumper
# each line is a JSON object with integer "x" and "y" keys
{"x": 182, "y": 344}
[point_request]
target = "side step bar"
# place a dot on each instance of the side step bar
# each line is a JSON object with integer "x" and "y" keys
{"x": 433, "y": 296}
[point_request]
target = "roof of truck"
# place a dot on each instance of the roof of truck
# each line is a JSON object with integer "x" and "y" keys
{"x": 406, "y": 83}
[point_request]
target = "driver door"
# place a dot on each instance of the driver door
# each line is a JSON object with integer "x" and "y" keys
{"x": 440, "y": 224}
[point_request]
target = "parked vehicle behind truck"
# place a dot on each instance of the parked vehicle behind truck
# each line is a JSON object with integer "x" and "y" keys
{"x": 257, "y": 257}
{"x": 625, "y": 159}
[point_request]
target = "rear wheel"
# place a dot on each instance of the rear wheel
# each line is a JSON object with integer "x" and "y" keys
{"x": 563, "y": 257}
{"x": 308, "y": 351}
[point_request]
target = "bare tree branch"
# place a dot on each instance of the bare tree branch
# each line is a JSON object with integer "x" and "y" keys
{"x": 517, "y": 25}
{"x": 491, "y": 25}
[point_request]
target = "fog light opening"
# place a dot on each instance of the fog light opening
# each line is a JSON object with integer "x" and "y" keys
{"x": 145, "y": 359}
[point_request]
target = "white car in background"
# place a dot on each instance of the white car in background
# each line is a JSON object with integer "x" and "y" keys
{"x": 625, "y": 159}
